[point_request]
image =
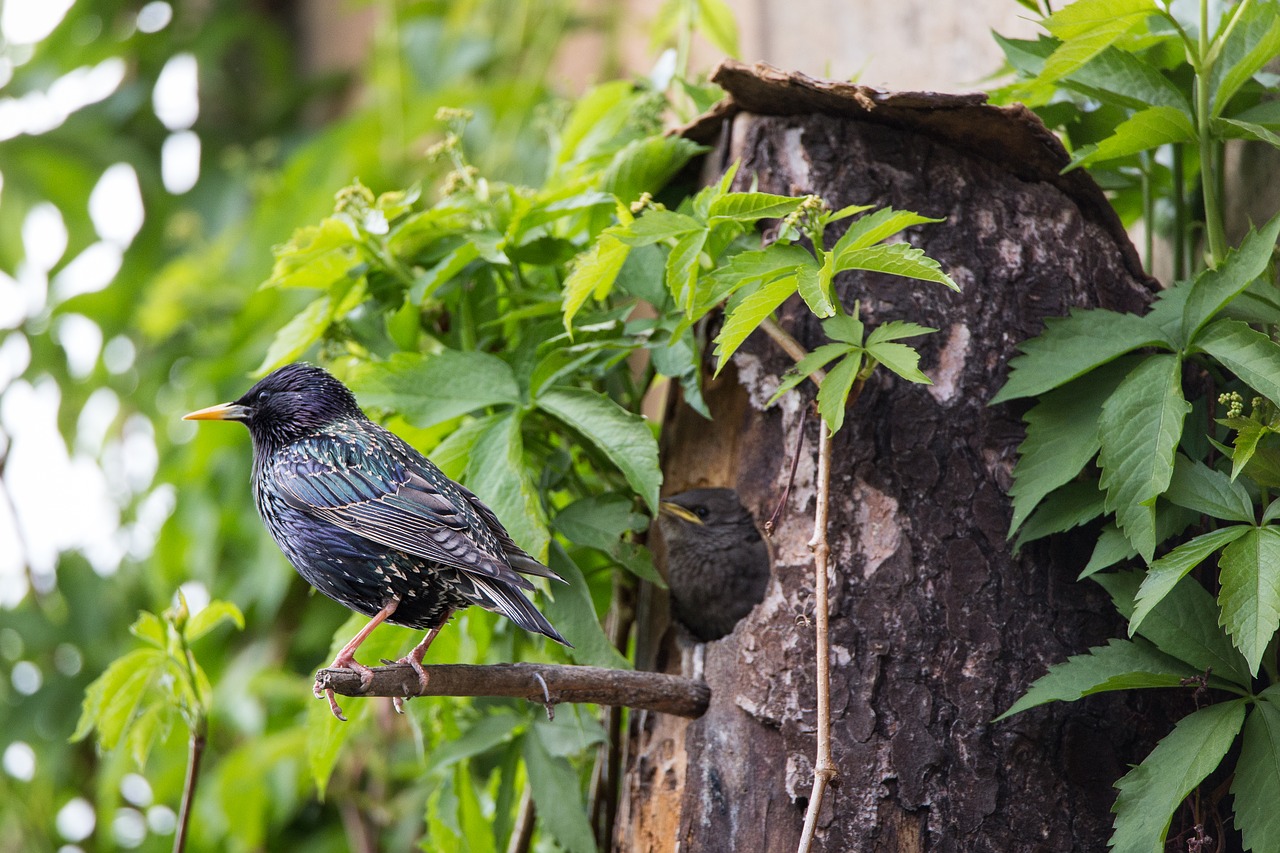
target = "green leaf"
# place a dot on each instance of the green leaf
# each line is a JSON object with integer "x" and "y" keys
{"x": 1249, "y": 354}
{"x": 430, "y": 389}
{"x": 895, "y": 259}
{"x": 833, "y": 396}
{"x": 814, "y": 285}
{"x": 1119, "y": 665}
{"x": 1165, "y": 573}
{"x": 1069, "y": 506}
{"x": 873, "y": 228}
{"x": 113, "y": 699}
{"x": 1140, "y": 426}
{"x": 558, "y": 796}
{"x": 573, "y": 613}
{"x": 1253, "y": 43}
{"x": 1214, "y": 288}
{"x": 593, "y": 274}
{"x": 296, "y": 336}
{"x": 1112, "y": 547}
{"x": 749, "y": 314}
{"x": 716, "y": 22}
{"x": 1062, "y": 436}
{"x": 1126, "y": 79}
{"x": 454, "y": 453}
{"x": 316, "y": 255}
{"x": 900, "y": 358}
{"x": 1072, "y": 346}
{"x": 1088, "y": 27}
{"x": 1246, "y": 130}
{"x": 1202, "y": 489}
{"x": 761, "y": 265}
{"x": 656, "y": 226}
{"x": 682, "y": 268}
{"x": 1183, "y": 625}
{"x": 811, "y": 362}
{"x": 624, "y": 438}
{"x": 752, "y": 207}
{"x": 483, "y": 735}
{"x": 425, "y": 285}
{"x": 1152, "y": 791}
{"x": 647, "y": 165}
{"x": 1150, "y": 128}
{"x": 214, "y": 614}
{"x": 1256, "y": 788}
{"x": 1250, "y": 594}
{"x": 148, "y": 628}
{"x": 896, "y": 330}
{"x": 846, "y": 328}
{"x": 597, "y": 522}
{"x": 499, "y": 477}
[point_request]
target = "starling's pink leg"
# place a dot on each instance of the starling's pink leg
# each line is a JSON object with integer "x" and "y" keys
{"x": 414, "y": 659}
{"x": 346, "y": 657}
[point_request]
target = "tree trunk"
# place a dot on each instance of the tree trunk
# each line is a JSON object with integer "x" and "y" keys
{"x": 936, "y": 625}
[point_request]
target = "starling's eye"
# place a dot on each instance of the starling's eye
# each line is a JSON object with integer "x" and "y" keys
{"x": 263, "y": 396}
{"x": 700, "y": 511}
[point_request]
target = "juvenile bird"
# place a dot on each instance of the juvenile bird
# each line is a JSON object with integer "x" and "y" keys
{"x": 717, "y": 563}
{"x": 371, "y": 522}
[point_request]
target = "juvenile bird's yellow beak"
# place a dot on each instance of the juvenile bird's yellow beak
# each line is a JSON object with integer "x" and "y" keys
{"x": 678, "y": 511}
{"x": 220, "y": 412}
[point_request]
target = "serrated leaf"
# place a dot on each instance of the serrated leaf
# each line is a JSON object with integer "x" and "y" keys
{"x": 1202, "y": 489}
{"x": 896, "y": 330}
{"x": 1062, "y": 437}
{"x": 846, "y": 328}
{"x": 815, "y": 360}
{"x": 1256, "y": 787}
{"x": 573, "y": 613}
{"x": 1165, "y": 573}
{"x": 901, "y": 359}
{"x": 425, "y": 285}
{"x": 148, "y": 628}
{"x": 498, "y": 475}
{"x": 1088, "y": 27}
{"x": 752, "y": 207}
{"x": 624, "y": 438}
{"x": 1072, "y": 346}
{"x": 483, "y": 735}
{"x": 430, "y": 389}
{"x": 597, "y": 522}
{"x": 833, "y": 396}
{"x": 1112, "y": 547}
{"x": 1120, "y": 77}
{"x": 873, "y": 228}
{"x": 1215, "y": 288}
{"x": 682, "y": 268}
{"x": 656, "y": 226}
{"x": 895, "y": 259}
{"x": 1253, "y": 43}
{"x": 1119, "y": 665}
{"x": 1069, "y": 506}
{"x": 214, "y": 613}
{"x": 1152, "y": 791}
{"x": 113, "y": 699}
{"x": 1246, "y": 130}
{"x": 316, "y": 256}
{"x": 1250, "y": 593}
{"x": 749, "y": 314}
{"x": 593, "y": 274}
{"x": 1249, "y": 354}
{"x": 716, "y": 22}
{"x": 647, "y": 165}
{"x": 814, "y": 285}
{"x": 1142, "y": 131}
{"x": 1140, "y": 427}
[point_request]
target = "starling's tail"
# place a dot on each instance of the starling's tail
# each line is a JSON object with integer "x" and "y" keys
{"x": 510, "y": 602}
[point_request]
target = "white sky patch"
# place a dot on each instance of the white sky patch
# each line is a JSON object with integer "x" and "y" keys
{"x": 75, "y": 820}
{"x": 115, "y": 205}
{"x": 180, "y": 161}
{"x": 196, "y": 594}
{"x": 90, "y": 271}
{"x": 30, "y": 21}
{"x": 12, "y": 309}
{"x": 44, "y": 236}
{"x": 176, "y": 98}
{"x": 20, "y": 761}
{"x": 118, "y": 354}
{"x": 81, "y": 339}
{"x": 97, "y": 416}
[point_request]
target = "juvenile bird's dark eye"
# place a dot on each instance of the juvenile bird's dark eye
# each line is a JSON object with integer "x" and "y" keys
{"x": 700, "y": 511}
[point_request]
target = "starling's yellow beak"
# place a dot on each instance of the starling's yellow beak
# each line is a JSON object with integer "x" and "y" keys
{"x": 220, "y": 412}
{"x": 678, "y": 511}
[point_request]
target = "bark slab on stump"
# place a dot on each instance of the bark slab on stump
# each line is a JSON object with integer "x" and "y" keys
{"x": 936, "y": 625}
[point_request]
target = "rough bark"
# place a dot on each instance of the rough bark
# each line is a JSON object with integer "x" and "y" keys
{"x": 937, "y": 626}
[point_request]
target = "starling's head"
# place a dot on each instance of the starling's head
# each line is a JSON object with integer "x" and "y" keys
{"x": 712, "y": 515}
{"x": 287, "y": 404}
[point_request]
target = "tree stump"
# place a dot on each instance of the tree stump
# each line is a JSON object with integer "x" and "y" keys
{"x": 936, "y": 625}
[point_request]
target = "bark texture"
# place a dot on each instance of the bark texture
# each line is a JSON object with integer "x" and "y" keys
{"x": 937, "y": 626}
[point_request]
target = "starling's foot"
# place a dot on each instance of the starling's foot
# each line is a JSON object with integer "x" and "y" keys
{"x": 343, "y": 661}
{"x": 423, "y": 680}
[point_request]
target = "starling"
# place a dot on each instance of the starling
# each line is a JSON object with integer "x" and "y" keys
{"x": 717, "y": 563}
{"x": 371, "y": 522}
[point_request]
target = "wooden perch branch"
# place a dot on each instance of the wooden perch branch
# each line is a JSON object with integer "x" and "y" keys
{"x": 651, "y": 691}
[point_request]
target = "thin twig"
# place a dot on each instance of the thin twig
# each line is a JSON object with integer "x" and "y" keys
{"x": 653, "y": 691}
{"x": 791, "y": 478}
{"x": 791, "y": 347}
{"x": 522, "y": 832}
{"x": 824, "y": 770}
{"x": 194, "y": 753}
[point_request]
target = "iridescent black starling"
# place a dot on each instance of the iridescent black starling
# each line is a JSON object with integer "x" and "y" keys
{"x": 717, "y": 563}
{"x": 371, "y": 522}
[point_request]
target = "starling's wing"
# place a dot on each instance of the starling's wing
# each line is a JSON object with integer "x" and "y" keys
{"x": 517, "y": 556}
{"x": 360, "y": 486}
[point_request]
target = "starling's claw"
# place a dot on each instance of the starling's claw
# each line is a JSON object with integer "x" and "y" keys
{"x": 333, "y": 705}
